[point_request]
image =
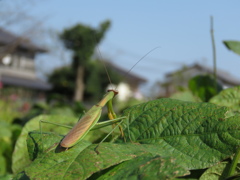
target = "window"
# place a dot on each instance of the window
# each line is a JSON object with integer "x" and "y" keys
{"x": 6, "y": 60}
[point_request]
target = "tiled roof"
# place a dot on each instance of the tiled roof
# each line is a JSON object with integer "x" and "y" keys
{"x": 127, "y": 74}
{"x": 8, "y": 38}
{"x": 222, "y": 75}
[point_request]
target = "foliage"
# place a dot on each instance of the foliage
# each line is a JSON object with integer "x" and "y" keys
{"x": 8, "y": 136}
{"x": 9, "y": 132}
{"x": 20, "y": 155}
{"x": 82, "y": 40}
{"x": 204, "y": 87}
{"x": 61, "y": 115}
{"x": 214, "y": 171}
{"x": 233, "y": 46}
{"x": 229, "y": 97}
{"x": 9, "y": 110}
{"x": 11, "y": 119}
{"x": 96, "y": 80}
{"x": 62, "y": 80}
{"x": 201, "y": 88}
{"x": 185, "y": 95}
{"x": 55, "y": 108}
{"x": 170, "y": 138}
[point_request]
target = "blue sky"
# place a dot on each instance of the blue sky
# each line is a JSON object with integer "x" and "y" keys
{"x": 180, "y": 28}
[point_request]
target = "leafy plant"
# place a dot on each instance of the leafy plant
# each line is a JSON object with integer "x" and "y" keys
{"x": 229, "y": 97}
{"x": 170, "y": 138}
{"x": 20, "y": 155}
{"x": 8, "y": 136}
{"x": 185, "y": 95}
{"x": 82, "y": 40}
{"x": 9, "y": 133}
{"x": 233, "y": 46}
{"x": 204, "y": 87}
{"x": 9, "y": 111}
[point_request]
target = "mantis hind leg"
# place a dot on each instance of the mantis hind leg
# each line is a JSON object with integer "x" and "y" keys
{"x": 128, "y": 130}
{"x": 121, "y": 130}
{"x": 117, "y": 125}
{"x": 57, "y": 124}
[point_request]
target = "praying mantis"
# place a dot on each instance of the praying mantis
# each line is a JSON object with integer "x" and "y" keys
{"x": 89, "y": 120}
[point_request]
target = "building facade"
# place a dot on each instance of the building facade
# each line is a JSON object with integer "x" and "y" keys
{"x": 17, "y": 64}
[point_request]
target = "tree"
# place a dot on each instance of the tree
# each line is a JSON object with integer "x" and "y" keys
{"x": 62, "y": 80}
{"x": 82, "y": 40}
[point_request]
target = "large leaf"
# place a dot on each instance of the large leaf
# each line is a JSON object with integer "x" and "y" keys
{"x": 146, "y": 167}
{"x": 219, "y": 171}
{"x": 215, "y": 172}
{"x": 196, "y": 134}
{"x": 20, "y": 157}
{"x": 82, "y": 160}
{"x": 233, "y": 46}
{"x": 229, "y": 97}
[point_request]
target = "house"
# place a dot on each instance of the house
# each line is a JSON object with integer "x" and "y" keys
{"x": 132, "y": 79}
{"x": 130, "y": 85}
{"x": 17, "y": 67}
{"x": 180, "y": 78}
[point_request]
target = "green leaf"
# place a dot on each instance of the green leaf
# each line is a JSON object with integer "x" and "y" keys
{"x": 233, "y": 46}
{"x": 81, "y": 161}
{"x": 66, "y": 111}
{"x": 5, "y": 130}
{"x": 219, "y": 171}
{"x": 198, "y": 135}
{"x": 20, "y": 156}
{"x": 3, "y": 165}
{"x": 203, "y": 86}
{"x": 8, "y": 111}
{"x": 21, "y": 176}
{"x": 146, "y": 167}
{"x": 229, "y": 97}
{"x": 8, "y": 134}
{"x": 185, "y": 96}
{"x": 6, "y": 177}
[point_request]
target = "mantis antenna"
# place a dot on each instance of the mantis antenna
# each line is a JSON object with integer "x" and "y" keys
{"x": 104, "y": 65}
{"x": 141, "y": 60}
{"x": 129, "y": 69}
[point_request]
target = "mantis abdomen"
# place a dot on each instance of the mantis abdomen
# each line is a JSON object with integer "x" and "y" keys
{"x": 87, "y": 122}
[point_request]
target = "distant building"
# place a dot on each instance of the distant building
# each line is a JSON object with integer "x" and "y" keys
{"x": 17, "y": 66}
{"x": 130, "y": 86}
{"x": 180, "y": 78}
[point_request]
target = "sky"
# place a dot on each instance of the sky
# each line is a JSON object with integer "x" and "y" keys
{"x": 180, "y": 28}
